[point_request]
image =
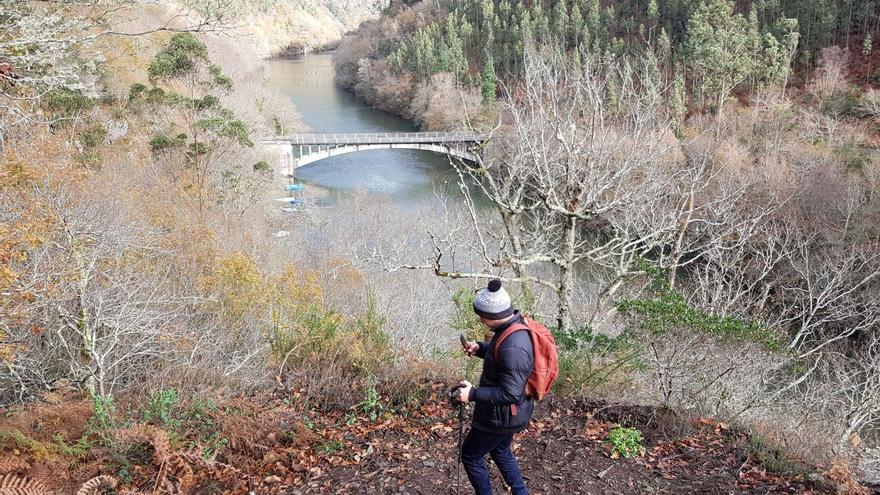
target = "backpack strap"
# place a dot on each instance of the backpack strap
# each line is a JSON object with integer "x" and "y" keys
{"x": 523, "y": 325}
{"x": 516, "y": 327}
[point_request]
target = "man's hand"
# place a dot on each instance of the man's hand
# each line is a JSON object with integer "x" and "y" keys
{"x": 465, "y": 391}
{"x": 471, "y": 348}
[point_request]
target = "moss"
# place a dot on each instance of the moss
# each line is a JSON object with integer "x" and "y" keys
{"x": 12, "y": 439}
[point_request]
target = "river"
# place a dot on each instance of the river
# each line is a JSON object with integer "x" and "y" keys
{"x": 405, "y": 176}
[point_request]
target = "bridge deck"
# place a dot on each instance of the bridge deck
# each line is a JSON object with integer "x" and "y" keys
{"x": 379, "y": 138}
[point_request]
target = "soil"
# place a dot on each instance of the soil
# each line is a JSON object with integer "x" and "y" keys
{"x": 563, "y": 452}
{"x": 269, "y": 447}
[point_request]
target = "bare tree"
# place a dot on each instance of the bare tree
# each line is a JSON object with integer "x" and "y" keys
{"x": 583, "y": 171}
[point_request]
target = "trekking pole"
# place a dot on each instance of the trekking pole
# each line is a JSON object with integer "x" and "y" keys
{"x": 460, "y": 435}
{"x": 452, "y": 398}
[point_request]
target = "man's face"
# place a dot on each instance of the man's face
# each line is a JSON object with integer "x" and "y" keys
{"x": 492, "y": 323}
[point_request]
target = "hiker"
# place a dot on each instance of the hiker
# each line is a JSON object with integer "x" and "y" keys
{"x": 501, "y": 406}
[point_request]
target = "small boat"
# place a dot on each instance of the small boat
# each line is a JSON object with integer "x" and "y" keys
{"x": 292, "y": 201}
{"x": 294, "y": 187}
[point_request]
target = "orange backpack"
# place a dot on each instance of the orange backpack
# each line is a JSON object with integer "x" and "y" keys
{"x": 546, "y": 367}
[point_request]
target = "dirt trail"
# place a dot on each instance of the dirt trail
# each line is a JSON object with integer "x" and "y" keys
{"x": 270, "y": 448}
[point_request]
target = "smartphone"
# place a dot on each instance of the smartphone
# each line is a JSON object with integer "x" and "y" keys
{"x": 463, "y": 341}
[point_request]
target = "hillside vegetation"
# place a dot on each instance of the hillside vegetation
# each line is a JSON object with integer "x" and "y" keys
{"x": 705, "y": 50}
{"x": 277, "y": 27}
{"x": 706, "y": 251}
{"x": 688, "y": 188}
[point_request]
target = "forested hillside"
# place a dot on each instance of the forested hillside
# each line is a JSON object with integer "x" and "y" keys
{"x": 705, "y": 49}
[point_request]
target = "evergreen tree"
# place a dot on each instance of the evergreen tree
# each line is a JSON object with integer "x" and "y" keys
{"x": 559, "y": 20}
{"x": 576, "y": 26}
{"x": 487, "y": 21}
{"x": 488, "y": 81}
{"x": 539, "y": 20}
{"x": 721, "y": 50}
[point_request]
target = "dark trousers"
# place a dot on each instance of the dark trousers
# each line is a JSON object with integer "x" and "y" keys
{"x": 473, "y": 456}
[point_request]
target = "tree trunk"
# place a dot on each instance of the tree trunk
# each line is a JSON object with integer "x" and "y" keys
{"x": 676, "y": 252}
{"x": 566, "y": 276}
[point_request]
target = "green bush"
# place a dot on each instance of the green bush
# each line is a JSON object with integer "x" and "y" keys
{"x": 92, "y": 136}
{"x": 852, "y": 156}
{"x": 162, "y": 142}
{"x": 375, "y": 349}
{"x": 161, "y": 408}
{"x": 625, "y": 442}
{"x": 464, "y": 319}
{"x": 668, "y": 310}
{"x": 774, "y": 459}
{"x": 66, "y": 103}
{"x": 842, "y": 104}
{"x": 588, "y": 361}
{"x": 136, "y": 91}
{"x": 262, "y": 166}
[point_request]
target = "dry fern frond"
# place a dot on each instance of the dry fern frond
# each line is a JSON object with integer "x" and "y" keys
{"x": 147, "y": 434}
{"x": 13, "y": 484}
{"x": 180, "y": 468}
{"x": 13, "y": 465}
{"x": 170, "y": 487}
{"x": 99, "y": 485}
{"x": 209, "y": 468}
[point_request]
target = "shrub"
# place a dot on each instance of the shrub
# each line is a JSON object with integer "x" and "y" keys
{"x": 668, "y": 309}
{"x": 92, "y": 136}
{"x": 625, "y": 442}
{"x": 374, "y": 344}
{"x": 841, "y": 103}
{"x": 854, "y": 157}
{"x": 66, "y": 102}
{"x": 464, "y": 319}
{"x": 588, "y": 361}
{"x": 161, "y": 406}
{"x": 774, "y": 459}
{"x": 162, "y": 142}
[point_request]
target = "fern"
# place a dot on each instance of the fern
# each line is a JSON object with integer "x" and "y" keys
{"x": 14, "y": 484}
{"x": 13, "y": 465}
{"x": 99, "y": 485}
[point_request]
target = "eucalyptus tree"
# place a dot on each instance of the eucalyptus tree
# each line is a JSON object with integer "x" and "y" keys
{"x": 185, "y": 82}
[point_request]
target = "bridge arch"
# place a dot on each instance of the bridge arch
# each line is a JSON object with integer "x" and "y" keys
{"x": 302, "y": 149}
{"x": 330, "y": 152}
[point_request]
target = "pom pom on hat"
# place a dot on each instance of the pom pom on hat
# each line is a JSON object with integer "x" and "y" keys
{"x": 493, "y": 302}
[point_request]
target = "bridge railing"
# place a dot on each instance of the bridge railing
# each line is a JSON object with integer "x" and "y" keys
{"x": 378, "y": 138}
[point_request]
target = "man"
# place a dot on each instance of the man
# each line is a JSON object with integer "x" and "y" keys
{"x": 501, "y": 407}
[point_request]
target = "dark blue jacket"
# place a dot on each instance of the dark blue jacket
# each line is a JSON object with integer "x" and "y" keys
{"x": 504, "y": 382}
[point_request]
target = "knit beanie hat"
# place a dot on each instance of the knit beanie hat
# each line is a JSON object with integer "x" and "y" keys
{"x": 493, "y": 302}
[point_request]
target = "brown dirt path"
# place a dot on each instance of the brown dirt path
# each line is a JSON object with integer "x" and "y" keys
{"x": 273, "y": 449}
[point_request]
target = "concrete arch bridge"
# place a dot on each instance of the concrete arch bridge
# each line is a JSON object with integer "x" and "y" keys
{"x": 302, "y": 149}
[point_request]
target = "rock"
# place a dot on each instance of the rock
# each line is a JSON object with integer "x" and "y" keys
{"x": 271, "y": 480}
{"x": 116, "y": 129}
